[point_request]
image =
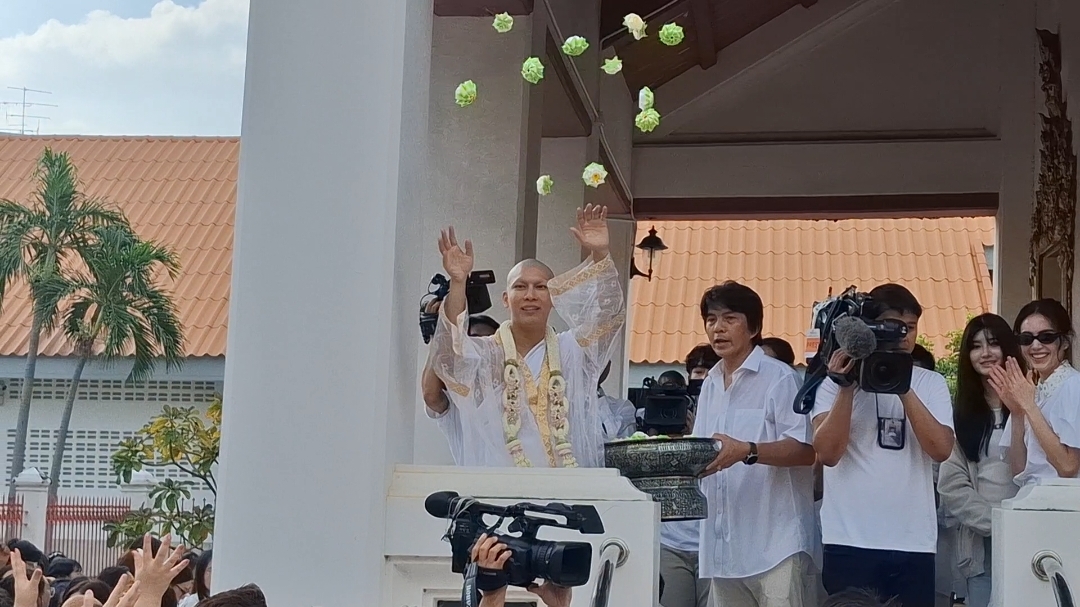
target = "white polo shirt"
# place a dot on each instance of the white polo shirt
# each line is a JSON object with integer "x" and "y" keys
{"x": 758, "y": 515}
{"x": 1058, "y": 397}
{"x": 879, "y": 498}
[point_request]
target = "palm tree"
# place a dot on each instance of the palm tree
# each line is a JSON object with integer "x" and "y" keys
{"x": 116, "y": 304}
{"x": 39, "y": 242}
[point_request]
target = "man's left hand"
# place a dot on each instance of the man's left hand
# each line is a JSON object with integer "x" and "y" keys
{"x": 552, "y": 595}
{"x": 592, "y": 230}
{"x": 732, "y": 451}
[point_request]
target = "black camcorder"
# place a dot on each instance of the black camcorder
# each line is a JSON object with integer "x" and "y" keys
{"x": 851, "y": 323}
{"x": 563, "y": 563}
{"x": 477, "y": 298}
{"x": 665, "y": 407}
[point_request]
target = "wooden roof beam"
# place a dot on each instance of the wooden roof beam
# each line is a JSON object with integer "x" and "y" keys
{"x": 702, "y": 15}
{"x": 482, "y": 8}
{"x": 655, "y": 20}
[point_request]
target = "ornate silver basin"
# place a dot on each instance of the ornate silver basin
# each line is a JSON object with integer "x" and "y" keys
{"x": 666, "y": 469}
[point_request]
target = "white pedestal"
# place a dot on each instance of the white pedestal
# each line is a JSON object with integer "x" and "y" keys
{"x": 418, "y": 561}
{"x": 1041, "y": 517}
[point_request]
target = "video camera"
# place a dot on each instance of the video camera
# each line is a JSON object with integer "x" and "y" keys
{"x": 477, "y": 298}
{"x": 850, "y": 323}
{"x": 665, "y": 406}
{"x": 564, "y": 563}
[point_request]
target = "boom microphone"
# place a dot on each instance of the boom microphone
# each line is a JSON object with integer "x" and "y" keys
{"x": 854, "y": 337}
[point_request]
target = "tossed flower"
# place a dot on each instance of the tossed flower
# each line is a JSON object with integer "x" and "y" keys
{"x": 503, "y": 23}
{"x": 594, "y": 175}
{"x": 612, "y": 66}
{"x": 575, "y": 46}
{"x": 635, "y": 24}
{"x": 532, "y": 70}
{"x": 543, "y": 185}
{"x": 645, "y": 99}
{"x": 671, "y": 34}
{"x": 647, "y": 120}
{"x": 465, "y": 93}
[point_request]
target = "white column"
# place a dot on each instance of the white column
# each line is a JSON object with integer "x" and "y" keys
{"x": 322, "y": 335}
{"x": 33, "y": 489}
{"x": 1019, "y": 134}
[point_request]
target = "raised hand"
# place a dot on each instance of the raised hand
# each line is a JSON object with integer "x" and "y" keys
{"x": 155, "y": 572}
{"x": 592, "y": 230}
{"x": 26, "y": 587}
{"x": 124, "y": 594}
{"x": 1016, "y": 390}
{"x": 457, "y": 261}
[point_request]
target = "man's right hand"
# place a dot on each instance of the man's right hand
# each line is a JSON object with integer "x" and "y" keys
{"x": 457, "y": 262}
{"x": 840, "y": 364}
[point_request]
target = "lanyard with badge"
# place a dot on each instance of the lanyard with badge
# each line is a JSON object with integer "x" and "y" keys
{"x": 891, "y": 431}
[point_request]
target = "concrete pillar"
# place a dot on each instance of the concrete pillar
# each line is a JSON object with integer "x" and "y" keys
{"x": 1019, "y": 167}
{"x": 326, "y": 269}
{"x": 483, "y": 163}
{"x": 33, "y": 489}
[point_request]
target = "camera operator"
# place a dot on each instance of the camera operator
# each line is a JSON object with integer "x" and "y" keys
{"x": 878, "y": 517}
{"x": 491, "y": 557}
{"x": 758, "y": 539}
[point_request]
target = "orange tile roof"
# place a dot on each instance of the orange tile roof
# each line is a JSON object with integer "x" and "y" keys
{"x": 176, "y": 191}
{"x": 793, "y": 263}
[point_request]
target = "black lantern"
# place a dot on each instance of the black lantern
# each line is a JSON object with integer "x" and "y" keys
{"x": 652, "y": 245}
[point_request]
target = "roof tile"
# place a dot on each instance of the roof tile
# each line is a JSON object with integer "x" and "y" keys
{"x": 793, "y": 263}
{"x": 180, "y": 192}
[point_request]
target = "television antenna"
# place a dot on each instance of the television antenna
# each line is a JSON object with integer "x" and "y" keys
{"x": 21, "y": 114}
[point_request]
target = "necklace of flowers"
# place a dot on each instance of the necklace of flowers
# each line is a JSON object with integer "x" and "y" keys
{"x": 556, "y": 396}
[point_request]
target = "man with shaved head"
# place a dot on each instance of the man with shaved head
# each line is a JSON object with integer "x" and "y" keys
{"x": 526, "y": 396}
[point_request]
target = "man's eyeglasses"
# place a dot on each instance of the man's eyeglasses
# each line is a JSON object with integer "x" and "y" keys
{"x": 1043, "y": 337}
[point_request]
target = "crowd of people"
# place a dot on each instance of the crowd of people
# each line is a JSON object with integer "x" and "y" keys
{"x": 839, "y": 507}
{"x": 150, "y": 573}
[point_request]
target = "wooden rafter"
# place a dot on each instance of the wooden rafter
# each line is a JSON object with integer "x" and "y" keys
{"x": 658, "y": 17}
{"x": 482, "y": 8}
{"x": 702, "y": 15}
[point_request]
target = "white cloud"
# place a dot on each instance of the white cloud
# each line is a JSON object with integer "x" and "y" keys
{"x": 176, "y": 71}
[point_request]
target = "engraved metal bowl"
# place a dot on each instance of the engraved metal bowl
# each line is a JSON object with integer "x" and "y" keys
{"x": 666, "y": 469}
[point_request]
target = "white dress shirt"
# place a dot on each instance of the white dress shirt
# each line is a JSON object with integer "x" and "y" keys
{"x": 876, "y": 498}
{"x": 758, "y": 515}
{"x": 1058, "y": 397}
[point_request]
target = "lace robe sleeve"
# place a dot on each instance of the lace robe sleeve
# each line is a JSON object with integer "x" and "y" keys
{"x": 590, "y": 299}
{"x": 460, "y": 361}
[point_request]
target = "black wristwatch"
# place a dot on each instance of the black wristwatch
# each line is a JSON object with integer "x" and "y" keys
{"x": 751, "y": 458}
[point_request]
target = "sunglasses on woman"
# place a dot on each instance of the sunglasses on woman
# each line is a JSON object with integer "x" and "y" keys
{"x": 1043, "y": 337}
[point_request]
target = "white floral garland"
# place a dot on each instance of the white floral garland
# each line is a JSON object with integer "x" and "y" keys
{"x": 556, "y": 395}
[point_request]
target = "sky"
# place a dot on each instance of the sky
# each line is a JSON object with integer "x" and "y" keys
{"x": 124, "y": 67}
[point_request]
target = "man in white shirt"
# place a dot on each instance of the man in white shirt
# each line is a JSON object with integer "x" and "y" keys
{"x": 618, "y": 416}
{"x": 878, "y": 517}
{"x": 527, "y": 395}
{"x": 757, "y": 543}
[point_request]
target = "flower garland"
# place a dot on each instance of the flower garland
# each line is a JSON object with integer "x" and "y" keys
{"x": 554, "y": 396}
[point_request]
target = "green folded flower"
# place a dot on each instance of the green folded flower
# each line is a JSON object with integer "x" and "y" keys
{"x": 647, "y": 120}
{"x": 503, "y": 23}
{"x": 465, "y": 93}
{"x": 543, "y": 185}
{"x": 532, "y": 70}
{"x": 594, "y": 175}
{"x": 671, "y": 34}
{"x": 612, "y": 66}
{"x": 645, "y": 99}
{"x": 575, "y": 46}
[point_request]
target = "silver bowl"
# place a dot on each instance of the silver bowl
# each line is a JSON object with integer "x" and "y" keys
{"x": 668, "y": 470}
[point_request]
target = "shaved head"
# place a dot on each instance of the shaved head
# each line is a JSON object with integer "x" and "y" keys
{"x": 528, "y": 264}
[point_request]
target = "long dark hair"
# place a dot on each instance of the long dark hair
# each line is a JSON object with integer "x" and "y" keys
{"x": 972, "y": 416}
{"x": 201, "y": 565}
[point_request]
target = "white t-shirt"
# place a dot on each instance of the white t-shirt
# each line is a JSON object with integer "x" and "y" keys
{"x": 681, "y": 535}
{"x": 1059, "y": 400}
{"x": 878, "y": 498}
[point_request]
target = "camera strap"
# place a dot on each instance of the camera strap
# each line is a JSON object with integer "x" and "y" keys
{"x": 470, "y": 595}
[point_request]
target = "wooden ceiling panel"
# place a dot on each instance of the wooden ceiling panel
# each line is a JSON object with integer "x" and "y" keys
{"x": 482, "y": 8}
{"x": 733, "y": 20}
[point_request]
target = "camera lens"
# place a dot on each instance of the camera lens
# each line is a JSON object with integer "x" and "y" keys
{"x": 564, "y": 563}
{"x": 886, "y": 373}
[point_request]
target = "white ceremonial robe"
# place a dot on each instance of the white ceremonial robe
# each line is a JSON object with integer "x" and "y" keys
{"x": 589, "y": 298}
